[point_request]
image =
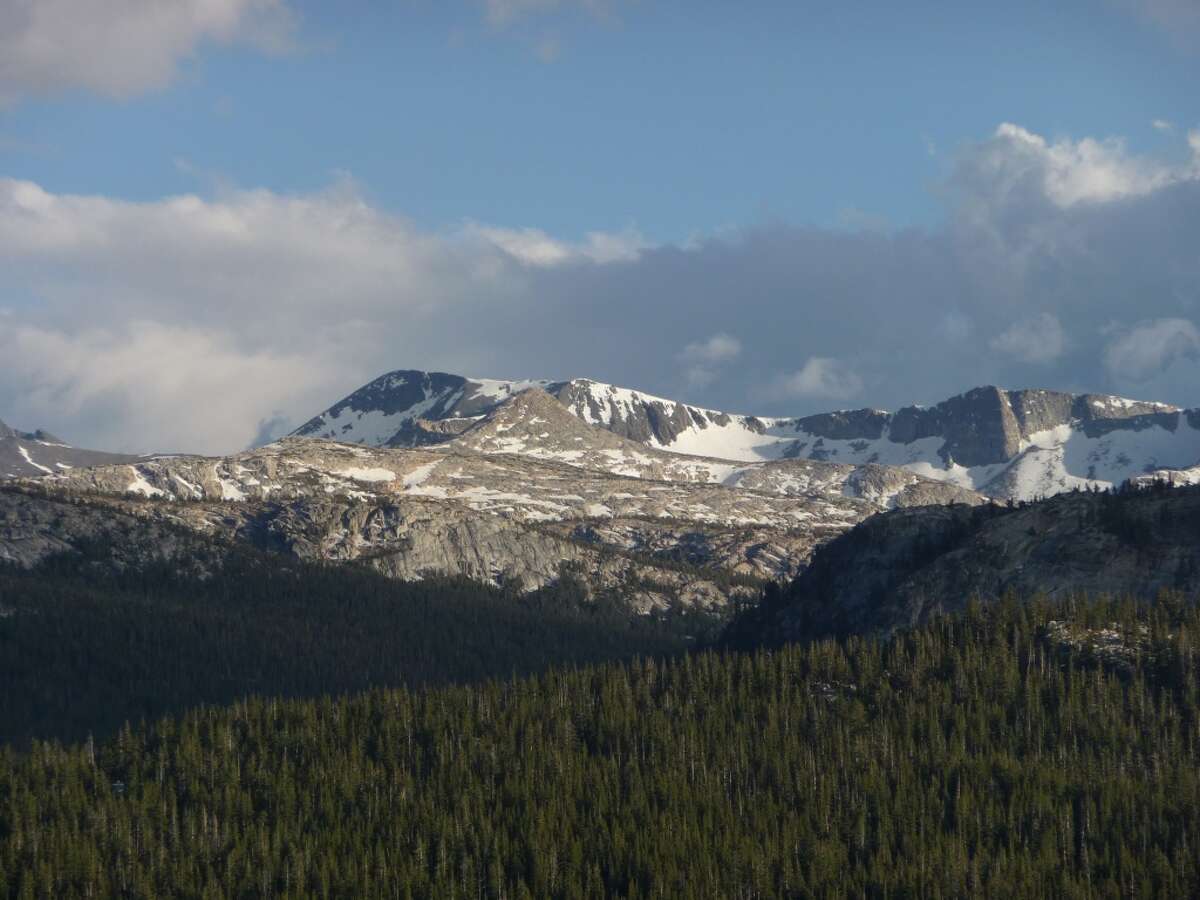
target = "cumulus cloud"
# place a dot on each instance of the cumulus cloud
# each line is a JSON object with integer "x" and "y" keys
{"x": 1036, "y": 340}
{"x": 1019, "y": 166}
{"x": 703, "y": 359}
{"x": 1151, "y": 347}
{"x": 294, "y": 297}
{"x": 822, "y": 377}
{"x": 123, "y": 47}
{"x": 192, "y": 322}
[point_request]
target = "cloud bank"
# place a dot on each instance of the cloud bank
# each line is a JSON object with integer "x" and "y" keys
{"x": 202, "y": 322}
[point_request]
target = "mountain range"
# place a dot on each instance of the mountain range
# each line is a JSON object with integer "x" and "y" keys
{"x": 1006, "y": 444}
{"x": 527, "y": 491}
{"x": 517, "y": 483}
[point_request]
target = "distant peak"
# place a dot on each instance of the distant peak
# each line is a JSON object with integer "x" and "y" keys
{"x": 47, "y": 438}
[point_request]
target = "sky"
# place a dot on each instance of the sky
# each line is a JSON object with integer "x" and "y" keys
{"x": 218, "y": 217}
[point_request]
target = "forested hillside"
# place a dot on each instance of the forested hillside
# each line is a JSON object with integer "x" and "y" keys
{"x": 82, "y": 649}
{"x": 1017, "y": 749}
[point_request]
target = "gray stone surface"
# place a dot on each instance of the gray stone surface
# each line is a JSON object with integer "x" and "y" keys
{"x": 903, "y": 567}
{"x": 855, "y": 424}
{"x": 32, "y": 454}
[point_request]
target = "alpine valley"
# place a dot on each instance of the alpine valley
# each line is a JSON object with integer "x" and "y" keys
{"x": 518, "y": 483}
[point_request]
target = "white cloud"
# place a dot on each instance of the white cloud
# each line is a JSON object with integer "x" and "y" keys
{"x": 123, "y": 47}
{"x": 1036, "y": 340}
{"x": 1151, "y": 347}
{"x": 145, "y": 386}
{"x": 122, "y": 321}
{"x": 703, "y": 359}
{"x": 311, "y": 293}
{"x": 534, "y": 247}
{"x": 822, "y": 377}
{"x": 719, "y": 348}
{"x": 1163, "y": 125}
{"x": 531, "y": 246}
{"x": 1071, "y": 172}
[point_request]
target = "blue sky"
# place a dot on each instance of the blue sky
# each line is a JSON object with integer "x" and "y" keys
{"x": 613, "y": 189}
{"x": 672, "y": 118}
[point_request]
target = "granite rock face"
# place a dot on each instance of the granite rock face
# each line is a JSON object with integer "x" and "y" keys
{"x": 978, "y": 427}
{"x": 36, "y": 526}
{"x": 645, "y": 420}
{"x": 901, "y": 568}
{"x": 846, "y": 425}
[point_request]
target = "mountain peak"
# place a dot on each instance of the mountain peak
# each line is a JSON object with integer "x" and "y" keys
{"x": 1009, "y": 443}
{"x": 535, "y": 423}
{"x": 32, "y": 454}
{"x": 386, "y": 412}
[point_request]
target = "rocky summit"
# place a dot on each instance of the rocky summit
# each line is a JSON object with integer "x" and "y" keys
{"x": 1006, "y": 444}
{"x": 34, "y": 453}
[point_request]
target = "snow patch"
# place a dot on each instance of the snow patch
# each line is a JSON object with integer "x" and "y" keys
{"x": 139, "y": 485}
{"x": 499, "y": 391}
{"x": 419, "y": 475}
{"x": 29, "y": 459}
{"x": 368, "y": 474}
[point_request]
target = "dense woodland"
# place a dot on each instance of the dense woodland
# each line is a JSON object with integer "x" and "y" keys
{"x": 82, "y": 650}
{"x": 979, "y": 755}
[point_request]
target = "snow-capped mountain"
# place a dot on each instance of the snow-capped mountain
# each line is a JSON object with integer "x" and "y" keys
{"x": 407, "y": 408}
{"x": 516, "y": 494}
{"x": 511, "y": 481}
{"x": 396, "y": 409}
{"x": 1007, "y": 444}
{"x": 26, "y": 454}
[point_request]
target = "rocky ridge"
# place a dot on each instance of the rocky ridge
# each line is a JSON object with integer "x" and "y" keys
{"x": 32, "y": 453}
{"x": 902, "y": 567}
{"x": 1007, "y": 444}
{"x": 523, "y": 492}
